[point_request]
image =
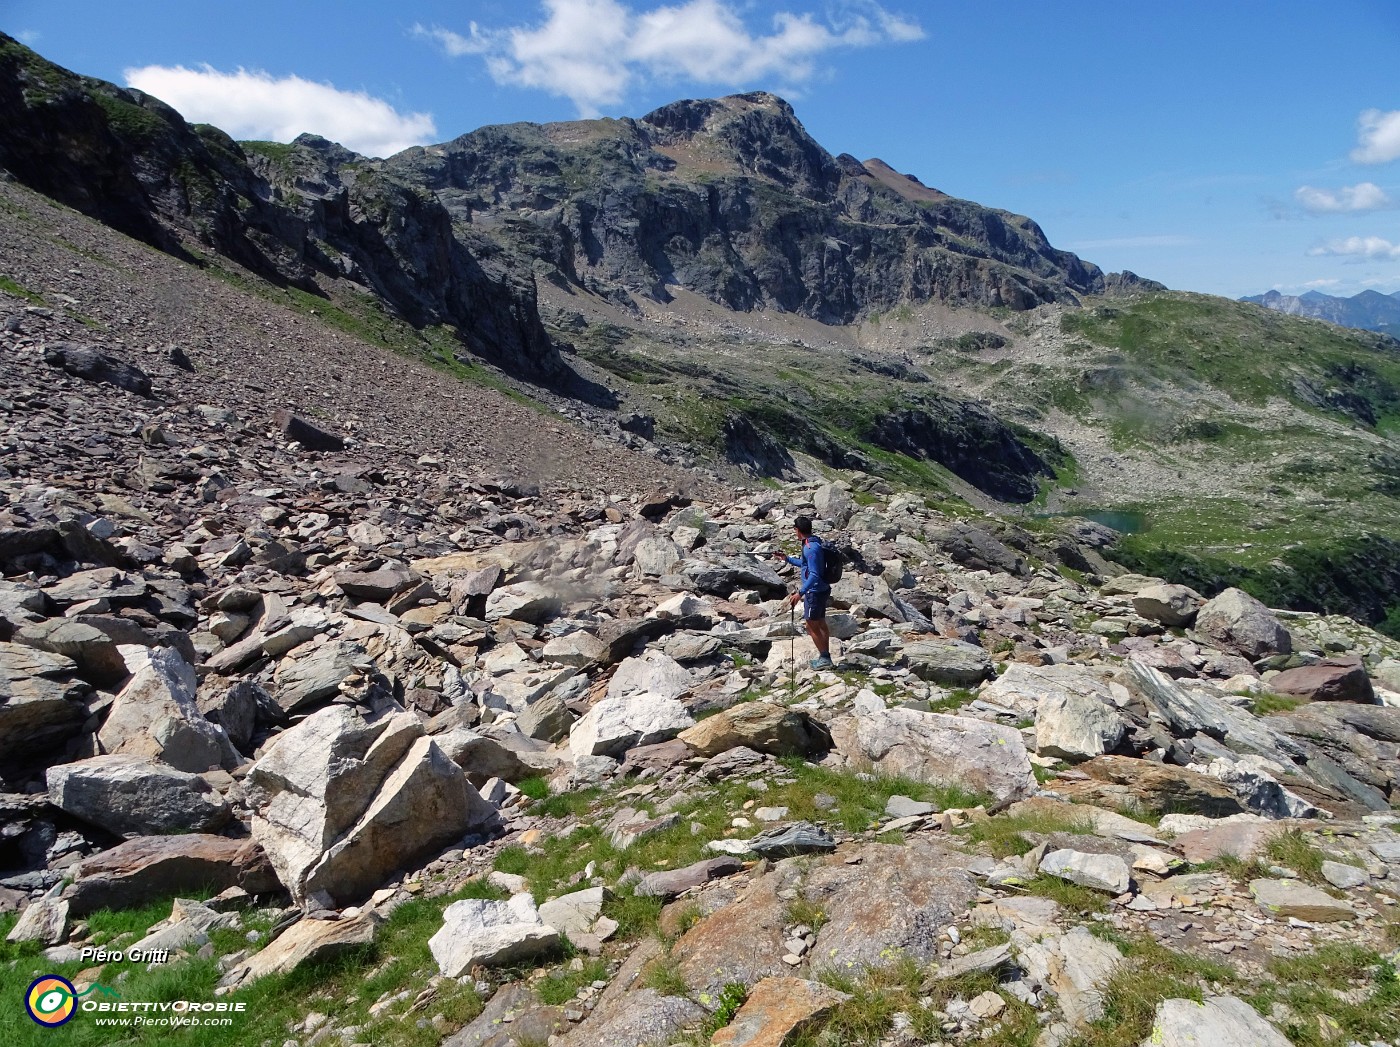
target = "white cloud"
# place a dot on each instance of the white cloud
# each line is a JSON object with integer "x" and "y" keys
{"x": 251, "y": 104}
{"x": 29, "y": 37}
{"x": 1359, "y": 247}
{"x": 1378, "y": 137}
{"x": 1365, "y": 196}
{"x": 1317, "y": 285}
{"x": 592, "y": 51}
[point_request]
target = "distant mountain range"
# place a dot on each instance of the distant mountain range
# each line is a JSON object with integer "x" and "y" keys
{"x": 1369, "y": 310}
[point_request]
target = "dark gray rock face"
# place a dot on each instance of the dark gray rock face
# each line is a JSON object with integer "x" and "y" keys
{"x": 777, "y": 221}
{"x": 296, "y": 218}
{"x": 87, "y": 363}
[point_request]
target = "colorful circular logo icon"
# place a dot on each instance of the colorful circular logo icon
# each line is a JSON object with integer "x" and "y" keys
{"x": 51, "y": 1000}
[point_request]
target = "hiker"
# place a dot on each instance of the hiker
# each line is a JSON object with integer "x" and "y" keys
{"x": 813, "y": 590}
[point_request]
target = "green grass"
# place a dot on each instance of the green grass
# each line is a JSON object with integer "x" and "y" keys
{"x": 663, "y": 975}
{"x": 1004, "y": 834}
{"x": 344, "y": 987}
{"x": 562, "y": 984}
{"x": 1071, "y": 897}
{"x": 1267, "y": 703}
{"x": 1313, "y": 985}
{"x": 1151, "y": 973}
{"x": 20, "y": 291}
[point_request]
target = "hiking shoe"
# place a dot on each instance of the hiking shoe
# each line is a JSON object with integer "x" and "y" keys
{"x": 822, "y": 662}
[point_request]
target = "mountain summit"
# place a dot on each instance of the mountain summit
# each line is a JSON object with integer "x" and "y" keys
{"x": 731, "y": 198}
{"x": 1368, "y": 310}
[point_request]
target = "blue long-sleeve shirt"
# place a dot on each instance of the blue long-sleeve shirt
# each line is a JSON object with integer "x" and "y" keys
{"x": 812, "y": 561}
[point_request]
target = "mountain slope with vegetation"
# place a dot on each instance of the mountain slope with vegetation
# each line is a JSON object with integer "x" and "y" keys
{"x": 715, "y": 282}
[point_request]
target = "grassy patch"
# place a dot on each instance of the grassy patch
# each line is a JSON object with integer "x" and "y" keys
{"x": 1354, "y": 988}
{"x": 1004, "y": 834}
{"x": 1071, "y": 896}
{"x": 663, "y": 975}
{"x": 345, "y": 987}
{"x": 1267, "y": 703}
{"x": 1151, "y": 973}
{"x": 562, "y": 985}
{"x": 20, "y": 291}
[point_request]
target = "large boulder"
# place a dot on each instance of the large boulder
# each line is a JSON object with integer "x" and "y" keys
{"x": 43, "y": 702}
{"x": 1101, "y": 872}
{"x": 505, "y": 754}
{"x": 98, "y": 660}
{"x": 950, "y": 663}
{"x": 524, "y": 601}
{"x": 1235, "y": 621}
{"x": 761, "y": 726}
{"x": 834, "y": 503}
{"x": 148, "y": 868}
{"x": 1075, "y": 725}
{"x": 92, "y": 365}
{"x": 724, "y": 576}
{"x": 1170, "y": 605}
{"x": 1330, "y": 680}
{"x": 476, "y": 932}
{"x": 1122, "y": 783}
{"x": 157, "y": 716}
{"x": 344, "y": 799}
{"x": 614, "y": 725}
{"x": 653, "y": 673}
{"x": 129, "y": 794}
{"x": 309, "y": 678}
{"x": 932, "y": 747}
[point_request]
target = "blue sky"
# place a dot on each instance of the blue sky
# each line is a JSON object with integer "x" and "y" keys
{"x": 1226, "y": 147}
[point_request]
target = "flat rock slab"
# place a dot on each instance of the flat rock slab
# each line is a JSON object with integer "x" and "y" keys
{"x": 1101, "y": 872}
{"x": 904, "y": 807}
{"x": 575, "y": 913}
{"x": 1289, "y": 898}
{"x": 742, "y": 942}
{"x": 1077, "y": 966}
{"x": 1385, "y": 845}
{"x": 1221, "y": 1021}
{"x": 476, "y": 931}
{"x": 778, "y": 1009}
{"x": 790, "y": 840}
{"x": 1344, "y": 877}
{"x": 150, "y": 867}
{"x": 512, "y": 1015}
{"x": 894, "y": 900}
{"x": 304, "y": 942}
{"x": 1242, "y": 840}
{"x": 672, "y": 882}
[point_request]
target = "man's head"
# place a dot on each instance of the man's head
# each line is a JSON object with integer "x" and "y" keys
{"x": 802, "y": 526}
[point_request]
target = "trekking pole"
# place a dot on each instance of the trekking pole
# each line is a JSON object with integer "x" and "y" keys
{"x": 792, "y": 652}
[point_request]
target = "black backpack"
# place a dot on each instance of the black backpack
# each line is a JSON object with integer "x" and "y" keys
{"x": 833, "y": 562}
